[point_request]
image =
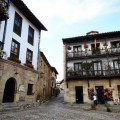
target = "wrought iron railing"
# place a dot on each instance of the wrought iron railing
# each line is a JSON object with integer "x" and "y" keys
{"x": 93, "y": 52}
{"x": 93, "y": 73}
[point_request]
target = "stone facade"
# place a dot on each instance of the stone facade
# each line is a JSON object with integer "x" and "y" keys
{"x": 92, "y": 62}
{"x": 22, "y": 76}
{"x": 46, "y": 79}
{"x": 70, "y": 93}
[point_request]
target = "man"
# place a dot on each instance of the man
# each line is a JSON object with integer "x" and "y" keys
{"x": 95, "y": 99}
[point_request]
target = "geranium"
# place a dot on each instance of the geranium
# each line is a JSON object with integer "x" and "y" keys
{"x": 108, "y": 92}
{"x": 105, "y": 43}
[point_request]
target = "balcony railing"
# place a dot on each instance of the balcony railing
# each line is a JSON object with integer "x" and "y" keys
{"x": 93, "y": 74}
{"x": 94, "y": 52}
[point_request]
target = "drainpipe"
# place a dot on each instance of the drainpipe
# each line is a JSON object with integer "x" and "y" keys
{"x": 5, "y": 26}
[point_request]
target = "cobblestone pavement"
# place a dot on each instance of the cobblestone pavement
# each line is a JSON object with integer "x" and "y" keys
{"x": 56, "y": 109}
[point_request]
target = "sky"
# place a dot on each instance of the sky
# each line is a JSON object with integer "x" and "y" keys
{"x": 72, "y": 18}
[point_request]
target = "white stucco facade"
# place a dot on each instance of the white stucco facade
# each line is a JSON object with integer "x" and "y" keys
{"x": 23, "y": 39}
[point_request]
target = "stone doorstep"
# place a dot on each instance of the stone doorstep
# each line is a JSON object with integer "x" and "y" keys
{"x": 18, "y": 105}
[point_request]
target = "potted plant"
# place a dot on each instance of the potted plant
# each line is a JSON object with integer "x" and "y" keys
{"x": 2, "y": 53}
{"x": 87, "y": 67}
{"x": 68, "y": 47}
{"x": 69, "y": 71}
{"x": 85, "y": 46}
{"x": 105, "y": 43}
{"x": 3, "y": 11}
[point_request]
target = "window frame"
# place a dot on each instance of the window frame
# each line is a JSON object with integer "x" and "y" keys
{"x": 17, "y": 27}
{"x": 30, "y": 89}
{"x": 98, "y": 71}
{"x": 28, "y": 56}
{"x": 78, "y": 71}
{"x": 76, "y": 50}
{"x": 116, "y": 70}
{"x": 31, "y": 35}
{"x": 13, "y": 53}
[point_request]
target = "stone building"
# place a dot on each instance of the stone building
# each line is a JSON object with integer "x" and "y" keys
{"x": 20, "y": 39}
{"x": 62, "y": 85}
{"x": 92, "y": 62}
{"x": 47, "y": 76}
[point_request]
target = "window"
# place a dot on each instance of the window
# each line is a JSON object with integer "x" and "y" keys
{"x": 29, "y": 56}
{"x": 15, "y": 48}
{"x": 97, "y": 67}
{"x": 78, "y": 68}
{"x": 30, "y": 89}
{"x": 116, "y": 64}
{"x": 115, "y": 44}
{"x": 17, "y": 24}
{"x": 30, "y": 35}
{"x": 77, "y": 51}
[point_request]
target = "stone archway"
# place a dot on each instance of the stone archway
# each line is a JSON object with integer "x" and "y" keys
{"x": 9, "y": 90}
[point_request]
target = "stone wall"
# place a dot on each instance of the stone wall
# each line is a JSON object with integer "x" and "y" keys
{"x": 70, "y": 94}
{"x": 22, "y": 76}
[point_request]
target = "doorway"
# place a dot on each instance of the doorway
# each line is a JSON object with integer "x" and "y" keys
{"x": 79, "y": 94}
{"x": 9, "y": 91}
{"x": 100, "y": 97}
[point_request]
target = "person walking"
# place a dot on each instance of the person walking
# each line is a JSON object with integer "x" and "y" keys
{"x": 95, "y": 99}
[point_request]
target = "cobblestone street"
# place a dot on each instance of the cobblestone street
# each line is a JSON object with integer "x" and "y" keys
{"x": 56, "y": 109}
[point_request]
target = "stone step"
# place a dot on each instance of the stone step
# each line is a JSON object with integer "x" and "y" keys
{"x": 10, "y": 108}
{"x": 18, "y": 105}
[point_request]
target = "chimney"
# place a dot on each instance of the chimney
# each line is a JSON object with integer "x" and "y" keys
{"x": 92, "y": 33}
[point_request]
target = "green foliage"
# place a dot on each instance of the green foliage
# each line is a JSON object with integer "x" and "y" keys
{"x": 108, "y": 109}
{"x": 2, "y": 53}
{"x": 3, "y": 10}
{"x": 93, "y": 107}
{"x": 87, "y": 66}
{"x": 56, "y": 91}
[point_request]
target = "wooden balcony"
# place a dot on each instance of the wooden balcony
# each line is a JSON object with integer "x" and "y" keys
{"x": 109, "y": 52}
{"x": 96, "y": 74}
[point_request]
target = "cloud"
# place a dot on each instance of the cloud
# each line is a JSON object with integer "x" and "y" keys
{"x": 72, "y": 11}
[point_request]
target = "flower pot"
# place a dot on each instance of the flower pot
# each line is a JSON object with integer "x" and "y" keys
{"x": 111, "y": 103}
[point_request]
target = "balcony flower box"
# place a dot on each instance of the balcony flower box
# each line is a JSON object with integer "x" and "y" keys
{"x": 29, "y": 65}
{"x": 85, "y": 46}
{"x": 3, "y": 11}
{"x": 14, "y": 59}
{"x": 68, "y": 48}
{"x": 2, "y": 53}
{"x": 105, "y": 43}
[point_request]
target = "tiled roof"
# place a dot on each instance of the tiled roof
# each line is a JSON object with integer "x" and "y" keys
{"x": 92, "y": 37}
